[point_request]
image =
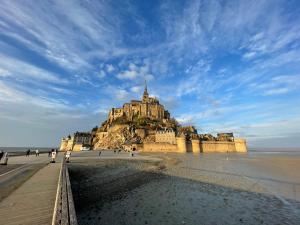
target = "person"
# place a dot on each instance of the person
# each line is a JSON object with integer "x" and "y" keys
{"x": 5, "y": 158}
{"x": 28, "y": 153}
{"x": 49, "y": 153}
{"x": 1, "y": 154}
{"x": 115, "y": 151}
{"x": 68, "y": 154}
{"x": 99, "y": 152}
{"x": 53, "y": 156}
{"x": 37, "y": 153}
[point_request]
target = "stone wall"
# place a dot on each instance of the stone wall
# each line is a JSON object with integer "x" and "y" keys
{"x": 77, "y": 147}
{"x": 70, "y": 143}
{"x": 217, "y": 146}
{"x": 197, "y": 146}
{"x": 240, "y": 145}
{"x": 159, "y": 147}
{"x": 63, "y": 144}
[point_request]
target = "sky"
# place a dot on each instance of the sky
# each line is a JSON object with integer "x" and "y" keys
{"x": 222, "y": 66}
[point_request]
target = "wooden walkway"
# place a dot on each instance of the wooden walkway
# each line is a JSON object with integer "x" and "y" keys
{"x": 33, "y": 202}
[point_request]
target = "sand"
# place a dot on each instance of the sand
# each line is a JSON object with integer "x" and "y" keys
{"x": 187, "y": 189}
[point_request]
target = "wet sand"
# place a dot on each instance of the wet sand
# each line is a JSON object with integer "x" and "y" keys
{"x": 187, "y": 189}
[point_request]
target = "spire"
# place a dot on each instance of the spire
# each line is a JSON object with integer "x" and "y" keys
{"x": 145, "y": 90}
{"x": 145, "y": 95}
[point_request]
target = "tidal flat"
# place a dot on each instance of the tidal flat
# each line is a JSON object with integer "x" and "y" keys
{"x": 187, "y": 189}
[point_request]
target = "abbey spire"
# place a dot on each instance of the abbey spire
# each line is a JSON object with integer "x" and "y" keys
{"x": 145, "y": 94}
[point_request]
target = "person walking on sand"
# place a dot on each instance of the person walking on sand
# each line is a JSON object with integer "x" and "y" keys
{"x": 28, "y": 153}
{"x": 100, "y": 153}
{"x": 68, "y": 154}
{"x": 37, "y": 153}
{"x": 5, "y": 158}
{"x": 53, "y": 156}
{"x": 1, "y": 155}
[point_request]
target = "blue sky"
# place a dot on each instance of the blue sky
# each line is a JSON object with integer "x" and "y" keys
{"x": 219, "y": 65}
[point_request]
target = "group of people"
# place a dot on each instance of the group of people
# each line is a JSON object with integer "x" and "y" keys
{"x": 37, "y": 153}
{"x": 117, "y": 151}
{"x": 51, "y": 151}
{"x": 54, "y": 152}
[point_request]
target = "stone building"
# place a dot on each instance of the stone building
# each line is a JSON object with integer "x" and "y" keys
{"x": 76, "y": 141}
{"x": 145, "y": 125}
{"x": 147, "y": 107}
{"x": 165, "y": 136}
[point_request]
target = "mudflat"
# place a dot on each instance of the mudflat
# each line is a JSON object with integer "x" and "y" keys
{"x": 187, "y": 189}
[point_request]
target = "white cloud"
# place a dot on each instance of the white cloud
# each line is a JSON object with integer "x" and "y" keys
{"x": 128, "y": 74}
{"x": 136, "y": 89}
{"x": 249, "y": 55}
{"x": 276, "y": 91}
{"x": 101, "y": 74}
{"x": 121, "y": 94}
{"x": 135, "y": 72}
{"x": 15, "y": 68}
{"x": 54, "y": 39}
{"x": 4, "y": 73}
{"x": 110, "y": 68}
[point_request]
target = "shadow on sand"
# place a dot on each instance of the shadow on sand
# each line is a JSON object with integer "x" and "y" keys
{"x": 138, "y": 192}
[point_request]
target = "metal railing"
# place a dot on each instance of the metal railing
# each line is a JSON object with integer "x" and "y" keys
{"x": 64, "y": 209}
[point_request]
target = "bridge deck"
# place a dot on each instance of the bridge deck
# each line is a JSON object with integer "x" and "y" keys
{"x": 33, "y": 202}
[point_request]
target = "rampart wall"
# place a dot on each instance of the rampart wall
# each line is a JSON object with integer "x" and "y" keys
{"x": 217, "y": 146}
{"x": 197, "y": 146}
{"x": 159, "y": 147}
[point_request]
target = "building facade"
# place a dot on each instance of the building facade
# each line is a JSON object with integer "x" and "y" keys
{"x": 76, "y": 141}
{"x": 147, "y": 107}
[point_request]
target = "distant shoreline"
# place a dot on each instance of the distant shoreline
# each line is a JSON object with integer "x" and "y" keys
{"x": 250, "y": 149}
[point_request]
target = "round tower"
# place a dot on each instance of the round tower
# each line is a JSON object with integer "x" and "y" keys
{"x": 196, "y": 146}
{"x": 181, "y": 144}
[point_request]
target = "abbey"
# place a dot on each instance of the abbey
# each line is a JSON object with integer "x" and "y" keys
{"x": 146, "y": 125}
{"x": 147, "y": 107}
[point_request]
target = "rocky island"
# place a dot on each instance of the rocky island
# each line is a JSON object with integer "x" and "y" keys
{"x": 146, "y": 125}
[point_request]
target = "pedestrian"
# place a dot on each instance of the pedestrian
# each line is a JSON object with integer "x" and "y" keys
{"x": 53, "y": 156}
{"x": 1, "y": 154}
{"x": 28, "y": 153}
{"x": 5, "y": 158}
{"x": 114, "y": 151}
{"x": 37, "y": 153}
{"x": 68, "y": 154}
{"x": 99, "y": 152}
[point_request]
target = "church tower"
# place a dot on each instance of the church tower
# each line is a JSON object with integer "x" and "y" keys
{"x": 145, "y": 94}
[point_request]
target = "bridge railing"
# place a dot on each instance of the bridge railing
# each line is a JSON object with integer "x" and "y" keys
{"x": 64, "y": 210}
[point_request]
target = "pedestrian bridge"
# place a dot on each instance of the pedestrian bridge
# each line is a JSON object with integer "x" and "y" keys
{"x": 45, "y": 198}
